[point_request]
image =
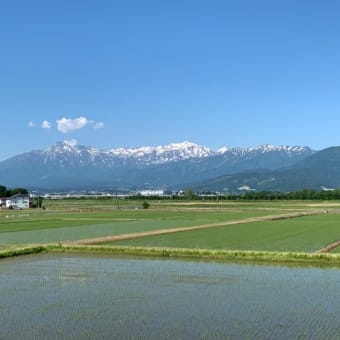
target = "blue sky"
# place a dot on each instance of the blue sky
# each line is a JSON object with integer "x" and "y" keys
{"x": 134, "y": 73}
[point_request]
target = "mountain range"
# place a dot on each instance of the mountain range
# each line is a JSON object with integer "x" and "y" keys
{"x": 66, "y": 166}
{"x": 318, "y": 171}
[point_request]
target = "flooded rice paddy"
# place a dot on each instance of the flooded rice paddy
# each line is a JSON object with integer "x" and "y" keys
{"x": 77, "y": 296}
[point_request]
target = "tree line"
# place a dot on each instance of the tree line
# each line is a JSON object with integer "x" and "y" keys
{"x": 304, "y": 194}
{"x": 5, "y": 192}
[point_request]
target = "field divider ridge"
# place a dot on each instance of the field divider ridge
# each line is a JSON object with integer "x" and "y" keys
{"x": 328, "y": 248}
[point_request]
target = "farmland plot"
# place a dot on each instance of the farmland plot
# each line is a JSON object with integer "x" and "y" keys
{"x": 303, "y": 234}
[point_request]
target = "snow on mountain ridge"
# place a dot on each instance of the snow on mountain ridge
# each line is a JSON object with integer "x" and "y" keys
{"x": 263, "y": 148}
{"x": 146, "y": 155}
{"x": 66, "y": 151}
{"x": 182, "y": 150}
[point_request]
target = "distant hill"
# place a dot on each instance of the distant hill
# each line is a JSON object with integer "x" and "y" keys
{"x": 321, "y": 169}
{"x": 65, "y": 166}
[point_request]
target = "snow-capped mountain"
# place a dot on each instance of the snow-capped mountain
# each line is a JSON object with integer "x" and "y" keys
{"x": 65, "y": 154}
{"x": 163, "y": 154}
{"x": 147, "y": 155}
{"x": 264, "y": 148}
{"x": 66, "y": 165}
{"x": 320, "y": 171}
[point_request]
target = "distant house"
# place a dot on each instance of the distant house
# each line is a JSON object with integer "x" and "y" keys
{"x": 18, "y": 201}
{"x": 245, "y": 188}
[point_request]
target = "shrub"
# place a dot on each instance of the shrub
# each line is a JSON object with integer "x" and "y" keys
{"x": 146, "y": 205}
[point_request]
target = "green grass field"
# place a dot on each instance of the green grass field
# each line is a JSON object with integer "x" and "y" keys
{"x": 306, "y": 234}
{"x": 72, "y": 220}
{"x": 21, "y": 227}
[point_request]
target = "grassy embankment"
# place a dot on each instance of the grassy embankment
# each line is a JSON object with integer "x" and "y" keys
{"x": 217, "y": 254}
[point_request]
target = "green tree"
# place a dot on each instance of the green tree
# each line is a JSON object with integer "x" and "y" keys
{"x": 3, "y": 190}
{"x": 188, "y": 193}
{"x": 38, "y": 202}
{"x": 15, "y": 191}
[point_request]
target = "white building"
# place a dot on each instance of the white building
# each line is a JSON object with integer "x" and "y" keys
{"x": 18, "y": 201}
{"x": 246, "y": 188}
{"x": 151, "y": 192}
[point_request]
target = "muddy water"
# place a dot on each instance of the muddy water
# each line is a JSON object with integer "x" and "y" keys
{"x": 83, "y": 297}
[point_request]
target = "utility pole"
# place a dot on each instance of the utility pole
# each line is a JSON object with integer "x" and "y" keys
{"x": 36, "y": 192}
{"x": 117, "y": 201}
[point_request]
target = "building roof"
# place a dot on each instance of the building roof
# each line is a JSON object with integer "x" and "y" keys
{"x": 18, "y": 195}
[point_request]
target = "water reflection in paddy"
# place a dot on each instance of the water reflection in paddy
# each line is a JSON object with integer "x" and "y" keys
{"x": 70, "y": 296}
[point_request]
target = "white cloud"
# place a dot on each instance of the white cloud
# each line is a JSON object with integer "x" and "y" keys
{"x": 66, "y": 125}
{"x": 72, "y": 142}
{"x": 46, "y": 124}
{"x": 98, "y": 125}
